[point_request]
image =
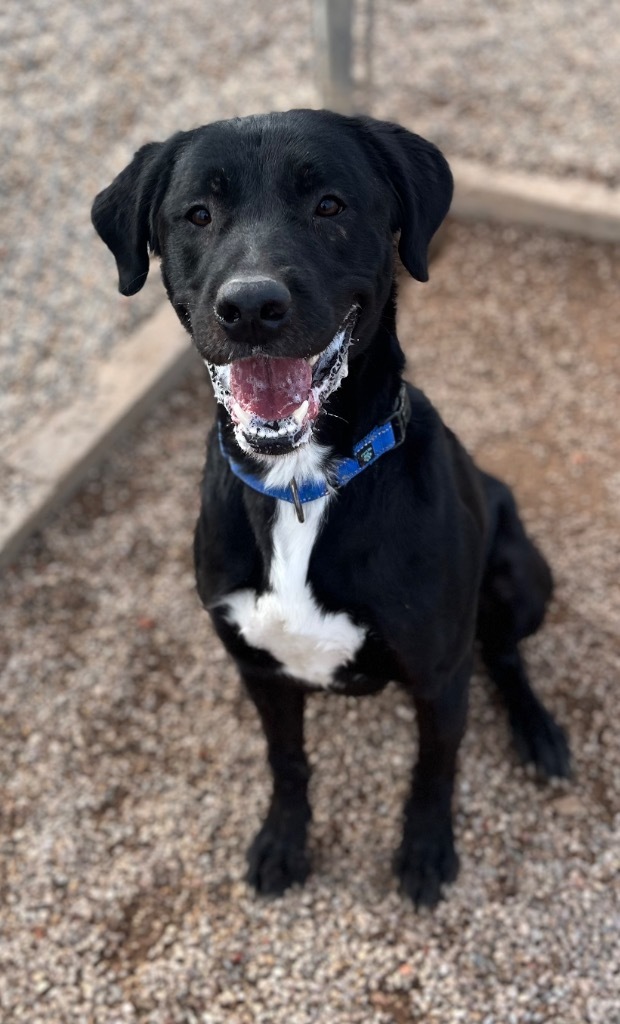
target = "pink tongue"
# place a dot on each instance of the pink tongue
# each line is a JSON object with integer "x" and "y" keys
{"x": 270, "y": 388}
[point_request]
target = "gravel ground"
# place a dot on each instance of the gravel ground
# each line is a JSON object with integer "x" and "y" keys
{"x": 132, "y": 768}
{"x": 84, "y": 85}
{"x": 528, "y": 87}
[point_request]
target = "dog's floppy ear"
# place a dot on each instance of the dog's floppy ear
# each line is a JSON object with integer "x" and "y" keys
{"x": 124, "y": 214}
{"x": 422, "y": 182}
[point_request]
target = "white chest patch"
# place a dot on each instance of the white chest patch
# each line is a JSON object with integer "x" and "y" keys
{"x": 286, "y": 620}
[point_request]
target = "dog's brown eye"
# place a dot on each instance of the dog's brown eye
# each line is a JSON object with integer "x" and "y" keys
{"x": 200, "y": 216}
{"x": 329, "y": 206}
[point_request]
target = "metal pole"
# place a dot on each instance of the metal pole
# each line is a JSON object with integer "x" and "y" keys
{"x": 333, "y": 32}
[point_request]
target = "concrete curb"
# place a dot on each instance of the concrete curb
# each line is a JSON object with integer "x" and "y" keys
{"x": 574, "y": 207}
{"x": 50, "y": 464}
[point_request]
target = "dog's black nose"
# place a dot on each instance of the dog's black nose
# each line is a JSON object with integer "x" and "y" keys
{"x": 252, "y": 302}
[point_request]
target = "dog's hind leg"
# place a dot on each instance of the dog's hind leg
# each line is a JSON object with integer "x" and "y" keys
{"x": 426, "y": 858}
{"x": 537, "y": 736}
{"x": 277, "y": 857}
{"x": 515, "y": 590}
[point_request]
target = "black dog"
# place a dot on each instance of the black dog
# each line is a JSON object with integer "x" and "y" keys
{"x": 345, "y": 537}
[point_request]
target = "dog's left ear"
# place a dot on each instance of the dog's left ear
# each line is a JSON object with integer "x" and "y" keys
{"x": 422, "y": 182}
{"x": 124, "y": 213}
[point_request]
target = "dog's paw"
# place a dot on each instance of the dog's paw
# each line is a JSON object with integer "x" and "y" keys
{"x": 422, "y": 866}
{"x": 277, "y": 859}
{"x": 540, "y": 741}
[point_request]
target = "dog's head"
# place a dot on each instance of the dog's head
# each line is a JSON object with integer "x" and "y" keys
{"x": 276, "y": 237}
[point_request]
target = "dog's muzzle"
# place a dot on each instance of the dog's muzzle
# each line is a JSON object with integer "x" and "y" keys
{"x": 274, "y": 402}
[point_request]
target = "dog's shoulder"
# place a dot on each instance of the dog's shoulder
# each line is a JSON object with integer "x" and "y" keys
{"x": 226, "y": 553}
{"x": 438, "y": 464}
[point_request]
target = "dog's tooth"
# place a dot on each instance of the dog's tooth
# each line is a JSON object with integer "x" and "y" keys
{"x": 242, "y": 415}
{"x": 313, "y": 360}
{"x": 300, "y": 413}
{"x": 282, "y": 431}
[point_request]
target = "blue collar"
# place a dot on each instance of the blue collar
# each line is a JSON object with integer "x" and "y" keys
{"x": 382, "y": 439}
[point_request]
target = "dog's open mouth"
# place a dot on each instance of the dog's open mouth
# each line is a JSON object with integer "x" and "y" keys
{"x": 274, "y": 402}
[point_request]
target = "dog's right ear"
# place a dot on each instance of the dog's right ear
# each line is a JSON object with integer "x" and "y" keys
{"x": 124, "y": 214}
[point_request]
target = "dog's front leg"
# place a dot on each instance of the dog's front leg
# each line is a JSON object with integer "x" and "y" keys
{"x": 426, "y": 857}
{"x": 277, "y": 858}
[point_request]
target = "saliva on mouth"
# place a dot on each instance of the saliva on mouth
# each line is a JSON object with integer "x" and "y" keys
{"x": 274, "y": 402}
